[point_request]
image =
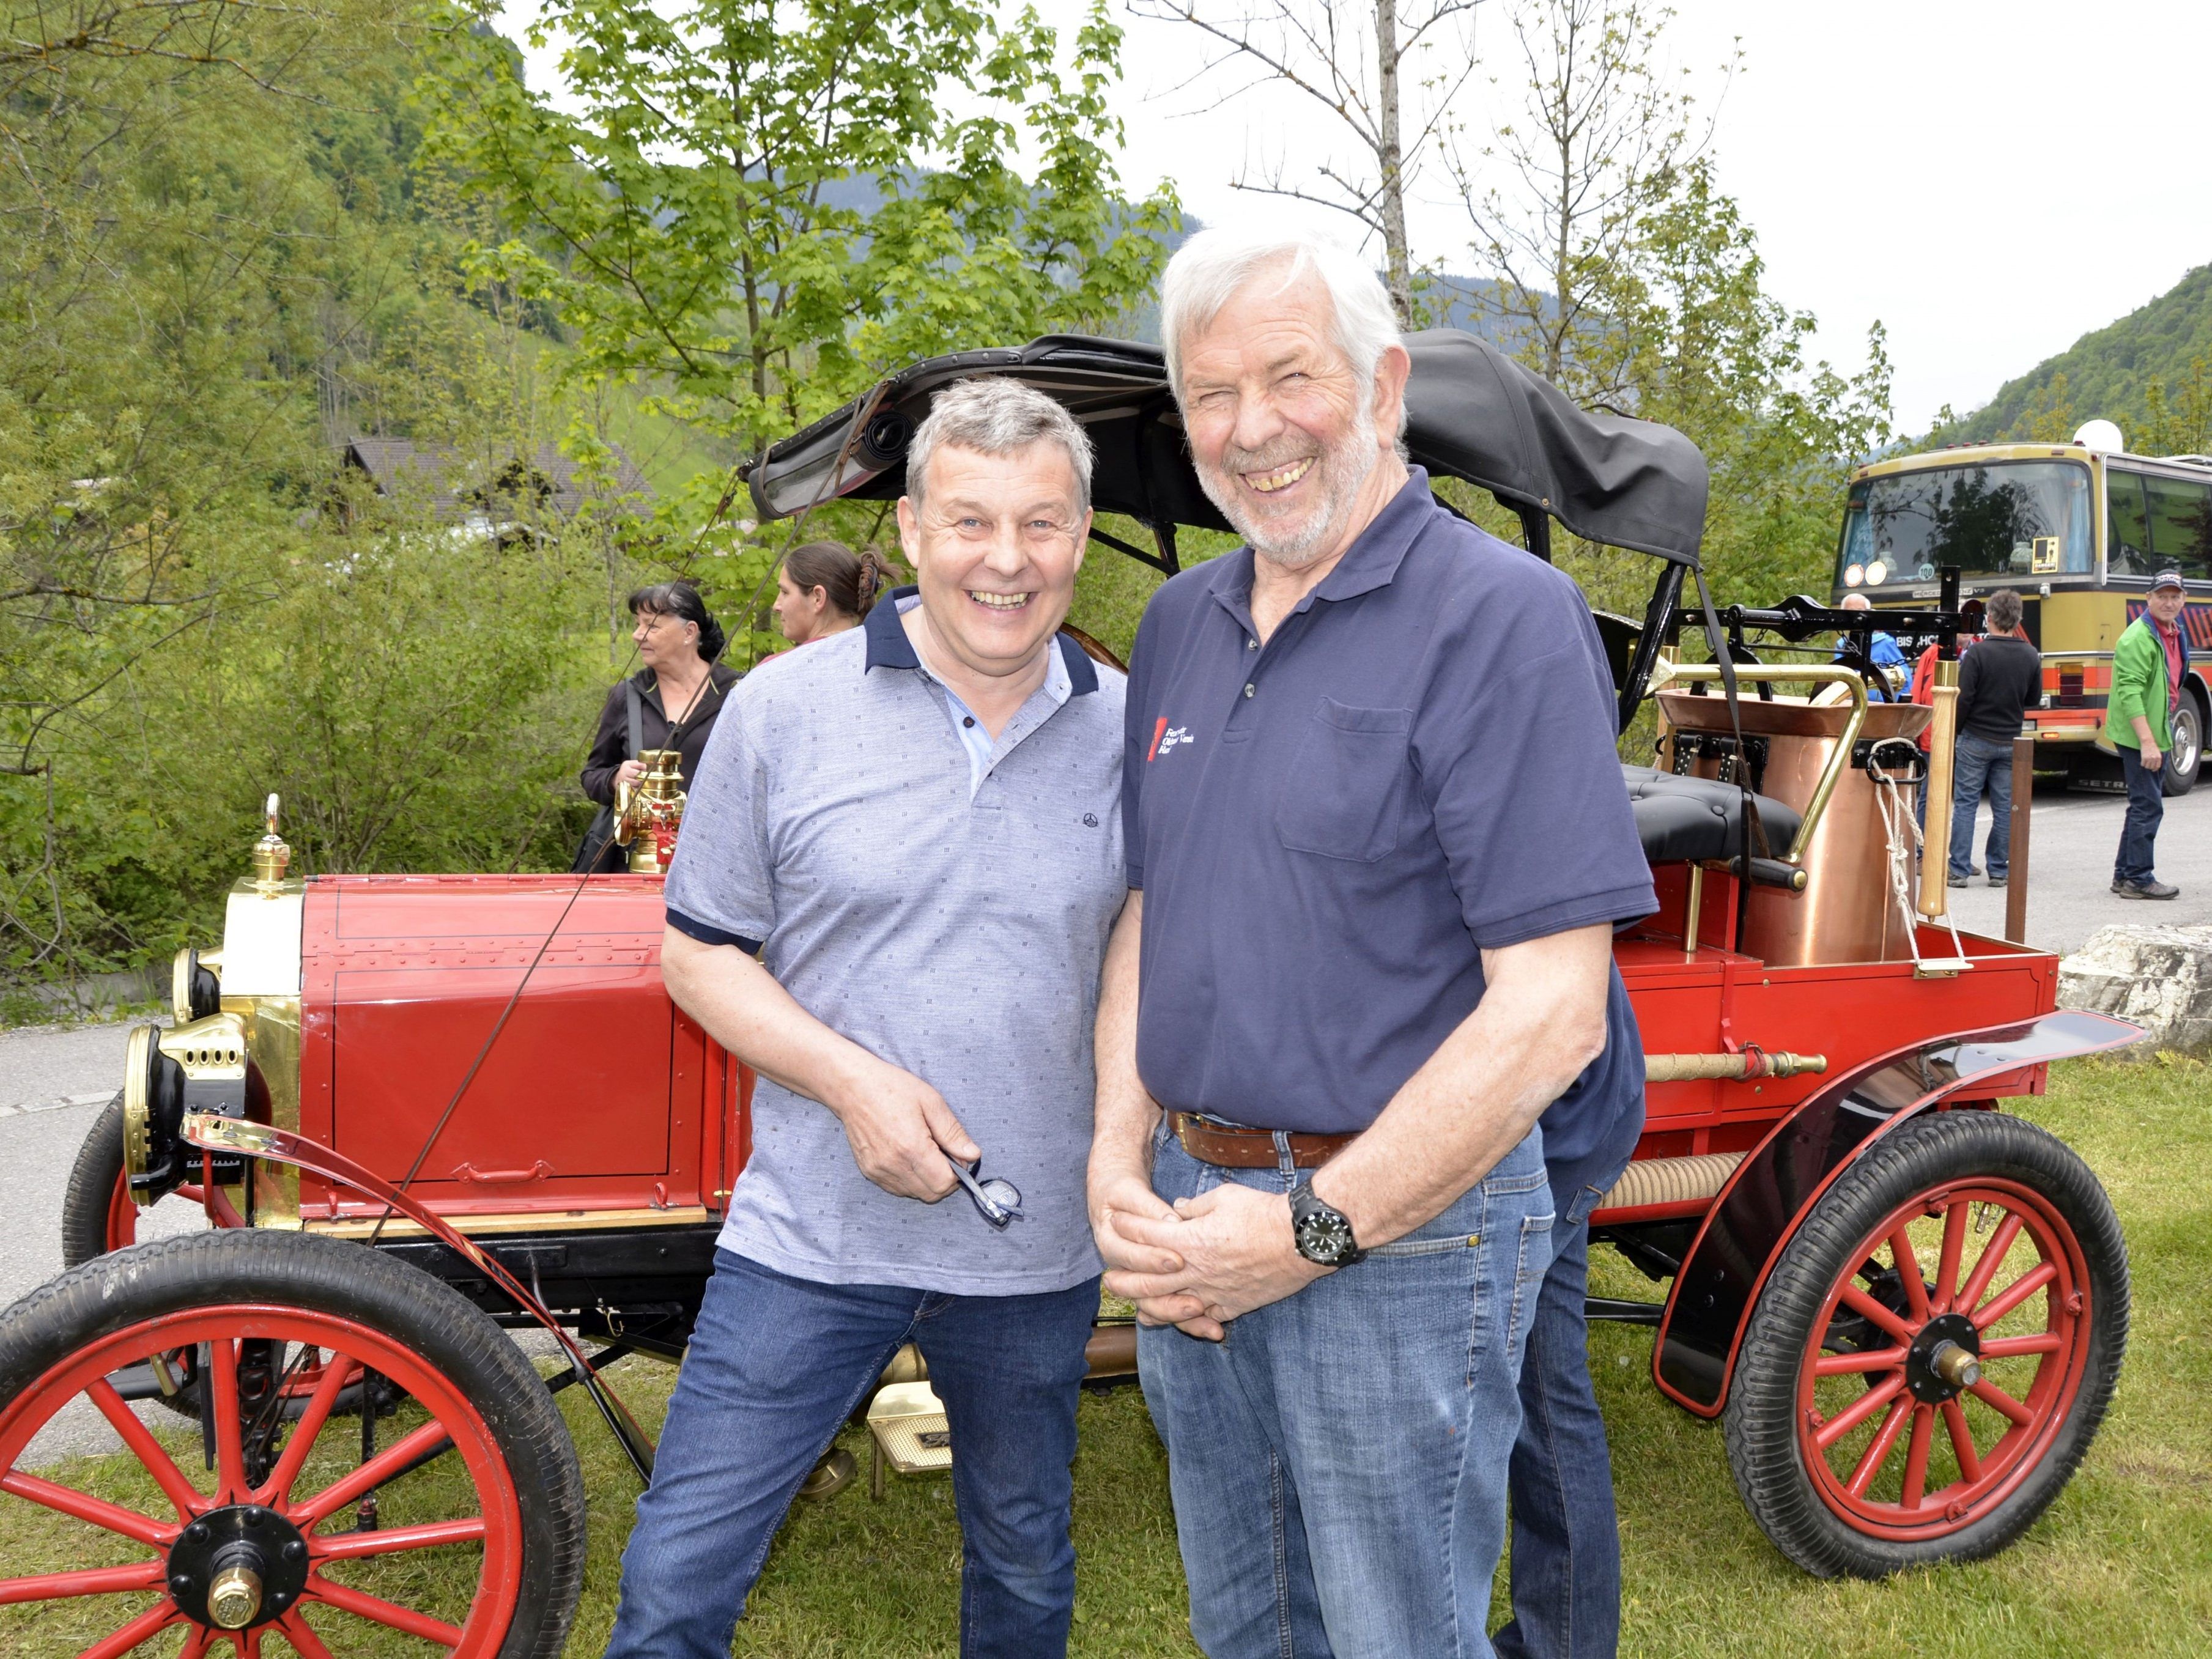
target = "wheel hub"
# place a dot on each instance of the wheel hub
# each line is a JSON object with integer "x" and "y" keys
{"x": 1944, "y": 1359}
{"x": 238, "y": 1567}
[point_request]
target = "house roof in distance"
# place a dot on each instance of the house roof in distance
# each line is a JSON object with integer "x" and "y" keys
{"x": 456, "y": 481}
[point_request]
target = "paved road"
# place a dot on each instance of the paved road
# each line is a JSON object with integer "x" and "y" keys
{"x": 53, "y": 1081}
{"x": 2069, "y": 889}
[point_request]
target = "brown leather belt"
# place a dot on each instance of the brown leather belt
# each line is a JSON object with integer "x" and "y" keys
{"x": 1250, "y": 1149}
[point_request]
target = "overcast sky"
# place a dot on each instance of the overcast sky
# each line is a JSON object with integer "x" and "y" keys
{"x": 1991, "y": 181}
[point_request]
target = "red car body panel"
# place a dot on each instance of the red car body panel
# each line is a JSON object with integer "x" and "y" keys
{"x": 597, "y": 1094}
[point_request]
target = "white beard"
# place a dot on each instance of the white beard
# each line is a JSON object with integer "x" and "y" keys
{"x": 1341, "y": 472}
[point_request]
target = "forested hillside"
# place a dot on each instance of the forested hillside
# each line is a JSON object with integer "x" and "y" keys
{"x": 233, "y": 237}
{"x": 2151, "y": 372}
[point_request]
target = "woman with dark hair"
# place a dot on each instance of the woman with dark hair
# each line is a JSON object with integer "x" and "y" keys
{"x": 824, "y": 588}
{"x": 670, "y": 703}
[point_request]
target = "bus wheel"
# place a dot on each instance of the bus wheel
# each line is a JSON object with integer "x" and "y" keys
{"x": 2186, "y": 757}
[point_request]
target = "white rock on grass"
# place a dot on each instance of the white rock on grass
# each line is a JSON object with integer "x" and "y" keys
{"x": 2159, "y": 977}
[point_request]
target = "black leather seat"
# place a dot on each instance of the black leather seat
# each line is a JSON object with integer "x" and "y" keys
{"x": 1682, "y": 818}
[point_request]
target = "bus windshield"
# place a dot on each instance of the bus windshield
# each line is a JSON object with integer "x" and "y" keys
{"x": 2004, "y": 518}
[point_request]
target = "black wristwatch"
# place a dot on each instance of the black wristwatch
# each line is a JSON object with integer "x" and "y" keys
{"x": 1322, "y": 1232}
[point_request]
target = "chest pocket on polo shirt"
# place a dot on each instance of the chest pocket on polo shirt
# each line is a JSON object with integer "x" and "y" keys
{"x": 1350, "y": 783}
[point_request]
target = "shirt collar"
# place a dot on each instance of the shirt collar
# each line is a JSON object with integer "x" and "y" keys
{"x": 889, "y": 648}
{"x": 1371, "y": 561}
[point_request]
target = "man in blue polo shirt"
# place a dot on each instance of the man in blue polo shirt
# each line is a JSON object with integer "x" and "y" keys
{"x": 914, "y": 824}
{"x": 1371, "y": 801}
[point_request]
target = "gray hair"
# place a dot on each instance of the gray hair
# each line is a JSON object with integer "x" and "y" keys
{"x": 2003, "y": 610}
{"x": 1214, "y": 266}
{"x": 997, "y": 415}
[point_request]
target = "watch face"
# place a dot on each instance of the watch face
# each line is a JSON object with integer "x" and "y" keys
{"x": 1324, "y": 1236}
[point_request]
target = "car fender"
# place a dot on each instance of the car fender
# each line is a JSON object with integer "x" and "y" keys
{"x": 230, "y": 1134}
{"x": 1770, "y": 1194}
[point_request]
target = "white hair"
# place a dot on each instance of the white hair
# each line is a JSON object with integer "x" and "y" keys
{"x": 995, "y": 414}
{"x": 1214, "y": 266}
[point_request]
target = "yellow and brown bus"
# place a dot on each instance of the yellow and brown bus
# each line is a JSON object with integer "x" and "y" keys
{"x": 2078, "y": 530}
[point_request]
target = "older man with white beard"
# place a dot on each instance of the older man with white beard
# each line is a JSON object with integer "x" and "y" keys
{"x": 1376, "y": 824}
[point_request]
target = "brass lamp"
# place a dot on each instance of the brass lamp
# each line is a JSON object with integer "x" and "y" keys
{"x": 649, "y": 812}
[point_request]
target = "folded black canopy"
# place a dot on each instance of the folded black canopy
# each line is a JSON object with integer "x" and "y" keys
{"x": 1472, "y": 413}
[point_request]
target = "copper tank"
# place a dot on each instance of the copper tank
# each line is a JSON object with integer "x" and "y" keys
{"x": 1846, "y": 913}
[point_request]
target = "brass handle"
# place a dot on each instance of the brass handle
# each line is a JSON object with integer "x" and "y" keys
{"x": 537, "y": 1171}
{"x": 1745, "y": 1066}
{"x": 1935, "y": 836}
{"x": 1818, "y": 674}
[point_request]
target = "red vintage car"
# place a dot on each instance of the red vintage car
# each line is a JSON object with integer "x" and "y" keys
{"x": 419, "y": 1112}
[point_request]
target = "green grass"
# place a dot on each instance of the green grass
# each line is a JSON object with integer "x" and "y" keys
{"x": 2122, "y": 1564}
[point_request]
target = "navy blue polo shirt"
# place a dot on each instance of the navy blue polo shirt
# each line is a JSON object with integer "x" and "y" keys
{"x": 1330, "y": 829}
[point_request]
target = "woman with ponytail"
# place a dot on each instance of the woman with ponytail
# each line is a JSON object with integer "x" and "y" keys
{"x": 824, "y": 588}
{"x": 670, "y": 703}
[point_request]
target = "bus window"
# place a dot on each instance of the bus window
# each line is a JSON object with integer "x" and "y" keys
{"x": 2009, "y": 519}
{"x": 2127, "y": 541}
{"x": 2181, "y": 525}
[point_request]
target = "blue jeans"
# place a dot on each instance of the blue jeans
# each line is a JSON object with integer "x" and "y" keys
{"x": 775, "y": 1366}
{"x": 1566, "y": 1540}
{"x": 2146, "y": 810}
{"x": 1977, "y": 764}
{"x": 1339, "y": 1463}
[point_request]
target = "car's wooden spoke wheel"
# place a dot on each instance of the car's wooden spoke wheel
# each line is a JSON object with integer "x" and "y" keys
{"x": 1934, "y": 1350}
{"x": 460, "y": 1526}
{"x": 1925, "y": 1415}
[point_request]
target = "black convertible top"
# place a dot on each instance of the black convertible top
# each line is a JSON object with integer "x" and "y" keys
{"x": 1473, "y": 414}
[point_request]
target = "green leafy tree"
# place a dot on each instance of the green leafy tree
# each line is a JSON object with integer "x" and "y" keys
{"x": 755, "y": 208}
{"x": 1691, "y": 337}
{"x": 216, "y": 253}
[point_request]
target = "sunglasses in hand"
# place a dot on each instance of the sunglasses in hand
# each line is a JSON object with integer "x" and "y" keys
{"x": 998, "y": 1201}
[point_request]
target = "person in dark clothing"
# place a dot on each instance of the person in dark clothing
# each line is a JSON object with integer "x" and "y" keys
{"x": 1999, "y": 680}
{"x": 679, "y": 690}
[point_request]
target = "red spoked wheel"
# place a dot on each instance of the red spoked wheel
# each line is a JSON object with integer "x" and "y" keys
{"x": 464, "y": 1530}
{"x": 100, "y": 1216}
{"x": 1934, "y": 1352}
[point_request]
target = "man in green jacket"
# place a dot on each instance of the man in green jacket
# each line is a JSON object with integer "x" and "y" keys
{"x": 2148, "y": 666}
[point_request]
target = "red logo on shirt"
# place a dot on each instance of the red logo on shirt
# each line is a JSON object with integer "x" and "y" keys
{"x": 1166, "y": 738}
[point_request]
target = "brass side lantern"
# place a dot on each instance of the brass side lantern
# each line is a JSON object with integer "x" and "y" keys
{"x": 648, "y": 812}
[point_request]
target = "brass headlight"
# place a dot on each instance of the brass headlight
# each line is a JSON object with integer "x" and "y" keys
{"x": 139, "y": 1060}
{"x": 195, "y": 991}
{"x": 198, "y": 1067}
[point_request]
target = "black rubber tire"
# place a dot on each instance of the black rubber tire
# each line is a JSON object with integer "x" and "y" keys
{"x": 92, "y": 1186}
{"x": 328, "y": 1276}
{"x": 1761, "y": 1419}
{"x": 2188, "y": 741}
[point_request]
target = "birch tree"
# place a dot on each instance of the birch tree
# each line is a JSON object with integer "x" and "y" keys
{"x": 1385, "y": 71}
{"x": 1594, "y": 131}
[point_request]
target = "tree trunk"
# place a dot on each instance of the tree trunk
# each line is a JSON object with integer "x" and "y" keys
{"x": 1392, "y": 183}
{"x": 1555, "y": 349}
